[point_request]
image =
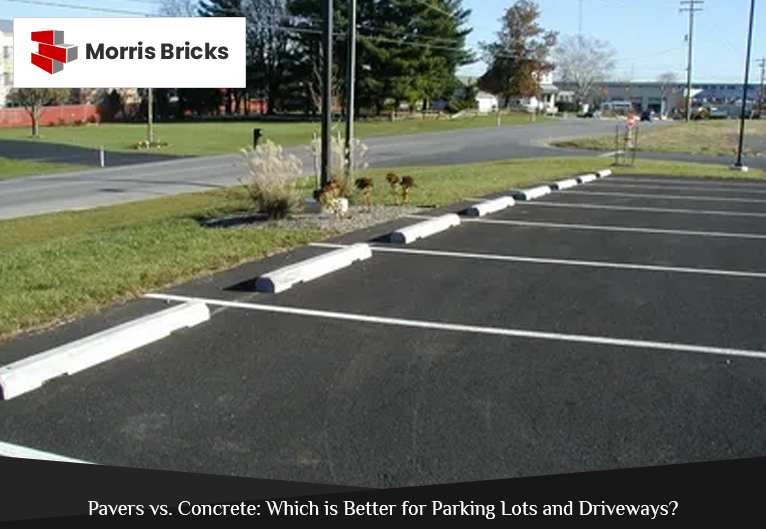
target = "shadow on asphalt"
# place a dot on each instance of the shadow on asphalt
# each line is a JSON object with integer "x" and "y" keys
{"x": 59, "y": 153}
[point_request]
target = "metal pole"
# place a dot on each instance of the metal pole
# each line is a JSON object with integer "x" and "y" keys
{"x": 762, "y": 64}
{"x": 350, "y": 82}
{"x": 738, "y": 165}
{"x": 327, "y": 92}
{"x": 150, "y": 115}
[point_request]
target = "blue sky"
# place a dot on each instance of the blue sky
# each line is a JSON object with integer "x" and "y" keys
{"x": 647, "y": 34}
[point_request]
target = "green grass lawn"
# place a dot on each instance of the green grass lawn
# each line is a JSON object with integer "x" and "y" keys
{"x": 60, "y": 265}
{"x": 717, "y": 137}
{"x": 228, "y": 137}
{"x": 16, "y": 168}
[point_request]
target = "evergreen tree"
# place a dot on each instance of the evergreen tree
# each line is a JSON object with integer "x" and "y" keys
{"x": 407, "y": 50}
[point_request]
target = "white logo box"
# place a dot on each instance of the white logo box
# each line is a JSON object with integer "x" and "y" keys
{"x": 205, "y": 52}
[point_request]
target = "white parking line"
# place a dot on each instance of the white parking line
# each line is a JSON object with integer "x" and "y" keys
{"x": 474, "y": 329}
{"x": 668, "y": 197}
{"x": 691, "y": 182}
{"x": 22, "y": 452}
{"x": 621, "y": 185}
{"x": 654, "y": 210}
{"x": 625, "y": 229}
{"x": 563, "y": 262}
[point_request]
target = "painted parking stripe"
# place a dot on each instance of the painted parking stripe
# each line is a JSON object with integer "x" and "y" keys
{"x": 668, "y": 197}
{"x": 621, "y": 185}
{"x": 22, "y": 452}
{"x": 654, "y": 210}
{"x": 474, "y": 329}
{"x": 690, "y": 183}
{"x": 625, "y": 229}
{"x": 563, "y": 262}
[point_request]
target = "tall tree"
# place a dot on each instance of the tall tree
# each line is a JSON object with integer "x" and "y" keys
{"x": 668, "y": 78}
{"x": 520, "y": 55}
{"x": 271, "y": 61}
{"x": 584, "y": 63}
{"x": 222, "y": 8}
{"x": 407, "y": 50}
{"x": 34, "y": 99}
{"x": 178, "y": 8}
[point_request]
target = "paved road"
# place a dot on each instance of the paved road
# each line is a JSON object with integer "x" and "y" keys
{"x": 111, "y": 185}
{"x": 617, "y": 324}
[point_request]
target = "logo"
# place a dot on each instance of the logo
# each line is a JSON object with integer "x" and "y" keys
{"x": 125, "y": 52}
{"x": 52, "y": 53}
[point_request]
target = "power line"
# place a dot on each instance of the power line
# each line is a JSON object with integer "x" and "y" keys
{"x": 435, "y": 8}
{"x": 338, "y": 36}
{"x": 80, "y": 7}
{"x": 691, "y": 10}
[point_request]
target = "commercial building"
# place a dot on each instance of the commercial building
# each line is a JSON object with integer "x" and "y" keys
{"x": 666, "y": 98}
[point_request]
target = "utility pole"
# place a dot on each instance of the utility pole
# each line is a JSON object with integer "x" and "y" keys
{"x": 327, "y": 93}
{"x": 738, "y": 165}
{"x": 150, "y": 117}
{"x": 762, "y": 65}
{"x": 350, "y": 82}
{"x": 691, "y": 10}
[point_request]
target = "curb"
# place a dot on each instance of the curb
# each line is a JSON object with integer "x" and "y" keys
{"x": 584, "y": 179}
{"x": 564, "y": 184}
{"x": 424, "y": 229}
{"x": 604, "y": 173}
{"x": 31, "y": 373}
{"x": 535, "y": 192}
{"x": 284, "y": 278}
{"x": 491, "y": 206}
{"x": 21, "y": 452}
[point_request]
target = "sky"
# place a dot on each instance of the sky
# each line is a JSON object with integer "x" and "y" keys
{"x": 648, "y": 35}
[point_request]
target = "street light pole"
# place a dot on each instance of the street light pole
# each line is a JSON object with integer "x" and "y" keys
{"x": 327, "y": 92}
{"x": 738, "y": 165}
{"x": 350, "y": 82}
{"x": 762, "y": 64}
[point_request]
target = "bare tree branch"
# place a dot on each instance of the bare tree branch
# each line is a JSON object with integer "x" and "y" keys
{"x": 178, "y": 8}
{"x": 584, "y": 63}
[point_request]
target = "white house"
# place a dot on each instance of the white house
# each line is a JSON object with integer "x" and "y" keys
{"x": 486, "y": 102}
{"x": 6, "y": 60}
{"x": 547, "y": 101}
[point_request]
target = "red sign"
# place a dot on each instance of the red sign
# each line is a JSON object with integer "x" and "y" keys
{"x": 631, "y": 121}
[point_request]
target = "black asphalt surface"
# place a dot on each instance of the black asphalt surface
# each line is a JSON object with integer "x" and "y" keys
{"x": 60, "y": 153}
{"x": 316, "y": 399}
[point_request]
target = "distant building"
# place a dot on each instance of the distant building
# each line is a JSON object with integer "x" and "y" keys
{"x": 546, "y": 103}
{"x": 486, "y": 102}
{"x": 666, "y": 99}
{"x": 6, "y": 60}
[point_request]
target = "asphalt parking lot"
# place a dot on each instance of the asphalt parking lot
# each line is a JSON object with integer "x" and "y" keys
{"x": 620, "y": 323}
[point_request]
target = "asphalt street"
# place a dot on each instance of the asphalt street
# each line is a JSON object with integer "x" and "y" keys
{"x": 559, "y": 335}
{"x": 139, "y": 181}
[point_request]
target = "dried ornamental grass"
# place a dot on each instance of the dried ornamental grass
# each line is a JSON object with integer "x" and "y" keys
{"x": 273, "y": 180}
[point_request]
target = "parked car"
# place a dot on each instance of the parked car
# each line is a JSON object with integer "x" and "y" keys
{"x": 716, "y": 113}
{"x": 648, "y": 115}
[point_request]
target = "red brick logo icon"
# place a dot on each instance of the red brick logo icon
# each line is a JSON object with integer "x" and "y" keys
{"x": 52, "y": 53}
